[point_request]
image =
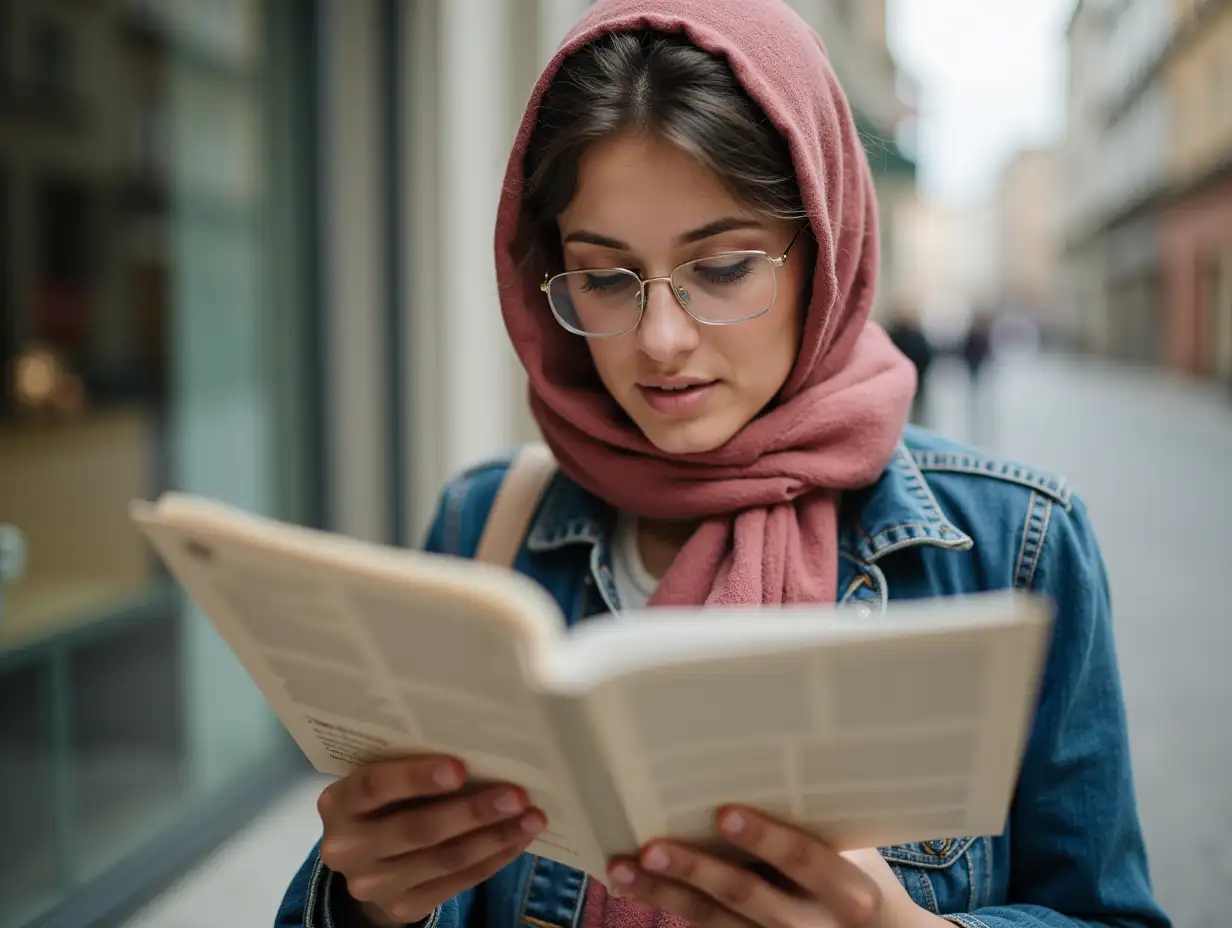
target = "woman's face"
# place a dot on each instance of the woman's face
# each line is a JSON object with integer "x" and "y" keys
{"x": 645, "y": 205}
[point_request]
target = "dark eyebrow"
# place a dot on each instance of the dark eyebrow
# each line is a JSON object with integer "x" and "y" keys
{"x": 709, "y": 230}
{"x": 718, "y": 227}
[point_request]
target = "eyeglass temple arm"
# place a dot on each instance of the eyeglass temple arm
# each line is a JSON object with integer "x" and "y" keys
{"x": 790, "y": 245}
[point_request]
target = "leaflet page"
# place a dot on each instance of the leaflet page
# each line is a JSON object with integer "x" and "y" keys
{"x": 866, "y": 741}
{"x": 361, "y": 663}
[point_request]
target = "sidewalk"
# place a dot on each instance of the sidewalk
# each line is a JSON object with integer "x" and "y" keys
{"x": 241, "y": 883}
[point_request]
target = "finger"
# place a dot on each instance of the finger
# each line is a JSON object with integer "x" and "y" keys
{"x": 384, "y": 783}
{"x": 387, "y": 882}
{"x": 396, "y": 834}
{"x": 692, "y": 905}
{"x": 438, "y": 891}
{"x": 462, "y": 853}
{"x": 837, "y": 883}
{"x": 735, "y": 888}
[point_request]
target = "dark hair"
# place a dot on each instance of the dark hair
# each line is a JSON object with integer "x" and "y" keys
{"x": 659, "y": 83}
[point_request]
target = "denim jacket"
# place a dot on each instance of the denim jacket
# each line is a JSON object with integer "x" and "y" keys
{"x": 942, "y": 520}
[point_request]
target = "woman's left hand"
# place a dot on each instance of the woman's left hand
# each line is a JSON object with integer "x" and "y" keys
{"x": 828, "y": 889}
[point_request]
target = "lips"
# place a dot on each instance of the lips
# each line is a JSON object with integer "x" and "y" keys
{"x": 677, "y": 397}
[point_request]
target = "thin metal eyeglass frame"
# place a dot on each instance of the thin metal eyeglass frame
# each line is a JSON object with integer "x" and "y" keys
{"x": 775, "y": 264}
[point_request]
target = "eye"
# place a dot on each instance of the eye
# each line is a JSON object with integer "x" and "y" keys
{"x": 726, "y": 273}
{"x": 604, "y": 283}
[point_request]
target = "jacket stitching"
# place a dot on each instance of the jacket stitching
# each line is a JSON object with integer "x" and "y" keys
{"x": 580, "y": 909}
{"x": 940, "y": 530}
{"x": 963, "y": 543}
{"x": 544, "y": 536}
{"x": 881, "y": 587}
{"x": 916, "y": 476}
{"x": 907, "y": 854}
{"x": 1046, "y": 522}
{"x": 930, "y": 894}
{"x": 313, "y": 885}
{"x": 1056, "y": 487}
{"x": 1034, "y": 531}
{"x": 967, "y": 856}
{"x": 530, "y": 882}
{"x": 328, "y": 898}
{"x": 1030, "y": 539}
{"x": 966, "y": 921}
{"x": 1026, "y": 540}
{"x": 987, "y": 897}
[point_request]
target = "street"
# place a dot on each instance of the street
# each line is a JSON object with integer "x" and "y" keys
{"x": 1150, "y": 455}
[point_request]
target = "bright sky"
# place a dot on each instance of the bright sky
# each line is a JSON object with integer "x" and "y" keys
{"x": 991, "y": 74}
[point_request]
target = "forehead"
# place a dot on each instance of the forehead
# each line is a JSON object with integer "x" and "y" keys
{"x": 640, "y": 188}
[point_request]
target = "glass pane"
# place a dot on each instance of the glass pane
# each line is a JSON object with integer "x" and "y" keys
{"x": 726, "y": 288}
{"x": 598, "y": 302}
{"x": 28, "y": 858}
{"x": 141, "y": 325}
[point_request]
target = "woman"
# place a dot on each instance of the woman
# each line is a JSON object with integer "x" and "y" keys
{"x": 687, "y": 252}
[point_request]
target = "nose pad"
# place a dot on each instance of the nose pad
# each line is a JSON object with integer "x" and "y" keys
{"x": 681, "y": 294}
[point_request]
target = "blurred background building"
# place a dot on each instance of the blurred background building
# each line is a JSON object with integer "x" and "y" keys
{"x": 245, "y": 251}
{"x": 1147, "y": 234}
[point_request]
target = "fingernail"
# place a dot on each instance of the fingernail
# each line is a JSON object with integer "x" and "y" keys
{"x": 509, "y": 803}
{"x": 655, "y": 859}
{"x": 732, "y": 823}
{"x": 532, "y": 824}
{"x": 623, "y": 874}
{"x": 447, "y": 777}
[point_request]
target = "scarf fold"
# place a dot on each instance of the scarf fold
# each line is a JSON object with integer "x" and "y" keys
{"x": 768, "y": 499}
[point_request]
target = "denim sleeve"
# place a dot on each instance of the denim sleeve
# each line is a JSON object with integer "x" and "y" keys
{"x": 316, "y": 896}
{"x": 1076, "y": 848}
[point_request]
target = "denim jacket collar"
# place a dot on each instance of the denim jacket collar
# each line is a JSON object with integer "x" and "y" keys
{"x": 899, "y": 511}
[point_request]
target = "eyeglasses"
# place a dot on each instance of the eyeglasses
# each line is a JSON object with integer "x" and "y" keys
{"x": 721, "y": 289}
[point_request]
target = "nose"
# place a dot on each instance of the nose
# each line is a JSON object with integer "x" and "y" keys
{"x": 666, "y": 329}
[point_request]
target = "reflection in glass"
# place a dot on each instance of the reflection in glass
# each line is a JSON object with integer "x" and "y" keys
{"x": 134, "y": 256}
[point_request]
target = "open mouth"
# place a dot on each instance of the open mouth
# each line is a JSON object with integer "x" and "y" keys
{"x": 677, "y": 399}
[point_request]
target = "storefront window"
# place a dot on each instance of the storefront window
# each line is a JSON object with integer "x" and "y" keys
{"x": 147, "y": 240}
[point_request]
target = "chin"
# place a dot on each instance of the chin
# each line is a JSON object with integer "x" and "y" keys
{"x": 683, "y": 438}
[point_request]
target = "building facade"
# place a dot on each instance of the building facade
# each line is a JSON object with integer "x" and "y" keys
{"x": 1115, "y": 160}
{"x": 1146, "y": 180}
{"x": 1197, "y": 221}
{"x": 1027, "y": 236}
{"x": 855, "y": 36}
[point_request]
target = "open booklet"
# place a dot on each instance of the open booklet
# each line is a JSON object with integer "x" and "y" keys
{"x": 866, "y": 730}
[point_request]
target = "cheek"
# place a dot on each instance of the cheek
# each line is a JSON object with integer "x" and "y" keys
{"x": 614, "y": 360}
{"x": 763, "y": 351}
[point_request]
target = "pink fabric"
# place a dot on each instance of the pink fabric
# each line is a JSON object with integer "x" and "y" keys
{"x": 768, "y": 499}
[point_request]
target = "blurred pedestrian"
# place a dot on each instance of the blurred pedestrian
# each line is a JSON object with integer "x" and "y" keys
{"x": 977, "y": 346}
{"x": 907, "y": 332}
{"x": 977, "y": 352}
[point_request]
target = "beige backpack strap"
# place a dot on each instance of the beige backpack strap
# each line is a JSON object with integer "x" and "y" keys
{"x": 516, "y": 500}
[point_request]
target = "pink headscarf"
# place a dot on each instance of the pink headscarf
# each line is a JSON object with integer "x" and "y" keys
{"x": 768, "y": 499}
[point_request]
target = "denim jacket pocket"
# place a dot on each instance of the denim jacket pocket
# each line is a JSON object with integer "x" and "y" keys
{"x": 944, "y": 877}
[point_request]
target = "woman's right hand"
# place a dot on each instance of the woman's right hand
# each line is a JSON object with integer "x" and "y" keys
{"x": 407, "y": 837}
